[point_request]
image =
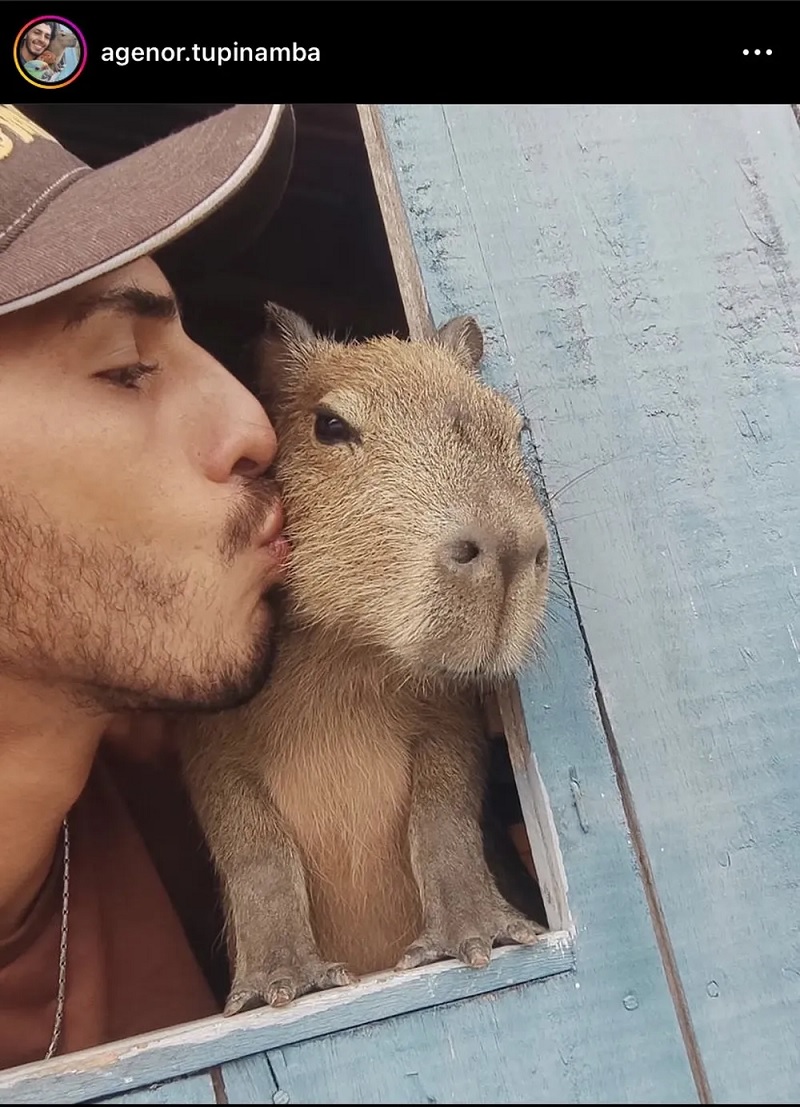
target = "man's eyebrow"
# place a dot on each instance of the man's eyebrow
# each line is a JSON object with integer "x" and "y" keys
{"x": 127, "y": 300}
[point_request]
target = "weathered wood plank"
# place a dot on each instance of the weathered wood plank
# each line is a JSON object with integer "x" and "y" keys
{"x": 642, "y": 263}
{"x": 250, "y": 1080}
{"x": 537, "y": 1044}
{"x": 150, "y": 1058}
{"x": 404, "y": 259}
{"x": 188, "y": 1089}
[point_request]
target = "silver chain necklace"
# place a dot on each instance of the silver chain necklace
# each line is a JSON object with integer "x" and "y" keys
{"x": 62, "y": 956}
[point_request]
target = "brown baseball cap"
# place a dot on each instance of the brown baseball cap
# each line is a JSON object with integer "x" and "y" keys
{"x": 63, "y": 223}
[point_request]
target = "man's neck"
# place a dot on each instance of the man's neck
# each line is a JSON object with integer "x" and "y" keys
{"x": 26, "y": 54}
{"x": 47, "y": 747}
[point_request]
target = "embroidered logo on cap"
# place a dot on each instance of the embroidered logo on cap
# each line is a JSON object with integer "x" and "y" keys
{"x": 13, "y": 124}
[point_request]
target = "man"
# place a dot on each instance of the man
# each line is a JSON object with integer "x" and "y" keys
{"x": 32, "y": 45}
{"x": 138, "y": 564}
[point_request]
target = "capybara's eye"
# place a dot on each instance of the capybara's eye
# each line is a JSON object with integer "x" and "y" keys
{"x": 331, "y": 430}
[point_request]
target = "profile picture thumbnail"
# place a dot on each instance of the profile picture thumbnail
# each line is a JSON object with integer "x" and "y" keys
{"x": 50, "y": 52}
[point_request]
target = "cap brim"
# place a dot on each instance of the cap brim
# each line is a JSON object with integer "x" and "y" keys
{"x": 133, "y": 207}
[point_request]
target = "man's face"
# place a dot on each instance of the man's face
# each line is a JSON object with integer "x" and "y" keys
{"x": 132, "y": 506}
{"x": 38, "y": 39}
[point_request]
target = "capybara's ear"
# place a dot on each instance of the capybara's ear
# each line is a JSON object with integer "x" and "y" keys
{"x": 281, "y": 358}
{"x": 285, "y": 324}
{"x": 463, "y": 337}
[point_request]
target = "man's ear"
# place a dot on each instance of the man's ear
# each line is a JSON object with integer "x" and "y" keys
{"x": 283, "y": 350}
{"x": 463, "y": 337}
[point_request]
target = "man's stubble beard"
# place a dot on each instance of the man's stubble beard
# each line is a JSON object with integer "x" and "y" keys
{"x": 221, "y": 687}
{"x": 32, "y": 52}
{"x": 104, "y": 622}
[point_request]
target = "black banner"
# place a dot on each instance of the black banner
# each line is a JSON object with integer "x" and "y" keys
{"x": 466, "y": 51}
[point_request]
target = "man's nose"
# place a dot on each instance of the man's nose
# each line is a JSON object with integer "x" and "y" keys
{"x": 248, "y": 445}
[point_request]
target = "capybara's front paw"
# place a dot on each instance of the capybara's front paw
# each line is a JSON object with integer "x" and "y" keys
{"x": 468, "y": 935}
{"x": 283, "y": 980}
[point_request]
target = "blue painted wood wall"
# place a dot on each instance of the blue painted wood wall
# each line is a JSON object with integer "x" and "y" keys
{"x": 637, "y": 271}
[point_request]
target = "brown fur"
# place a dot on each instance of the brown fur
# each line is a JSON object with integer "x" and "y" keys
{"x": 342, "y": 805}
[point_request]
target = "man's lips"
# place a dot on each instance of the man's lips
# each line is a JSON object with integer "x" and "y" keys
{"x": 272, "y": 539}
{"x": 273, "y": 528}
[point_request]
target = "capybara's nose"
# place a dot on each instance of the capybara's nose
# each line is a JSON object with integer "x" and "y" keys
{"x": 480, "y": 551}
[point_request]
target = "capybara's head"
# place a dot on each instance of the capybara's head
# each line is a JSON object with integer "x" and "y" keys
{"x": 62, "y": 39}
{"x": 415, "y": 530}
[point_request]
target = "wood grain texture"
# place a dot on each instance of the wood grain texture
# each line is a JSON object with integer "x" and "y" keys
{"x": 546, "y": 855}
{"x": 250, "y": 1080}
{"x": 151, "y": 1058}
{"x": 395, "y": 219}
{"x": 642, "y": 265}
{"x": 189, "y": 1089}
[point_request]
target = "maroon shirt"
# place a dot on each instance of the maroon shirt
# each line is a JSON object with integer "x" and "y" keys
{"x": 142, "y": 917}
